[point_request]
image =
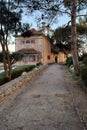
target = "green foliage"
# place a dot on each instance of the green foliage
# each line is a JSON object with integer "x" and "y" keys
{"x": 80, "y": 58}
{"x": 9, "y": 19}
{"x": 67, "y": 3}
{"x": 85, "y": 59}
{"x": 84, "y": 69}
{"x": 3, "y": 79}
{"x": 1, "y": 56}
{"x": 69, "y": 61}
{"x": 62, "y": 34}
{"x": 84, "y": 74}
{"x": 81, "y": 29}
{"x": 15, "y": 56}
{"x": 16, "y": 73}
{"x": 38, "y": 64}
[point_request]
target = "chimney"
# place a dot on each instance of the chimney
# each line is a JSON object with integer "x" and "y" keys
{"x": 43, "y": 24}
{"x": 43, "y": 27}
{"x": 48, "y": 29}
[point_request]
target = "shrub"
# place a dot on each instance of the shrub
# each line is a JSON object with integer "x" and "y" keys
{"x": 84, "y": 74}
{"x": 3, "y": 79}
{"x": 38, "y": 64}
{"x": 15, "y": 73}
{"x": 69, "y": 61}
{"x": 85, "y": 61}
{"x": 18, "y": 71}
{"x": 80, "y": 58}
{"x": 84, "y": 58}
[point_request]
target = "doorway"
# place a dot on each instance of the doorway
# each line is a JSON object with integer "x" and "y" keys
{"x": 56, "y": 59}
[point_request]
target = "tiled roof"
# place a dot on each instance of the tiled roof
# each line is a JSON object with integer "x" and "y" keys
{"x": 31, "y": 33}
{"x": 28, "y": 51}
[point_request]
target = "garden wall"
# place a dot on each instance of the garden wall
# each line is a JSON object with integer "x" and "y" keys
{"x": 19, "y": 83}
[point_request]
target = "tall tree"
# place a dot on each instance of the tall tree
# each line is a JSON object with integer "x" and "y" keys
{"x": 74, "y": 6}
{"x": 8, "y": 22}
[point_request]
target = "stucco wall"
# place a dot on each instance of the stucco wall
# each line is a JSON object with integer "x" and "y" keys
{"x": 41, "y": 44}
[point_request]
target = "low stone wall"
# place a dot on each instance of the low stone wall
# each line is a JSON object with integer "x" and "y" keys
{"x": 18, "y": 83}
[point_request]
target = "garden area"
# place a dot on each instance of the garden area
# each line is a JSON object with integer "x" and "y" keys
{"x": 16, "y": 72}
{"x": 83, "y": 67}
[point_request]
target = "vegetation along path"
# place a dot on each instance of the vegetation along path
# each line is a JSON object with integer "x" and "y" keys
{"x": 51, "y": 101}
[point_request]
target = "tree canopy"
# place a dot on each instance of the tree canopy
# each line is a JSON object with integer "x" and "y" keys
{"x": 62, "y": 35}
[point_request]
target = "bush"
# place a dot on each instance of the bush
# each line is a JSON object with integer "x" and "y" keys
{"x": 80, "y": 58}
{"x": 18, "y": 71}
{"x": 3, "y": 79}
{"x": 69, "y": 61}
{"x": 38, "y": 64}
{"x": 84, "y": 74}
{"x": 83, "y": 58}
{"x": 85, "y": 61}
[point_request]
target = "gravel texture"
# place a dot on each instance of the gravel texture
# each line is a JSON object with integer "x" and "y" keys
{"x": 51, "y": 101}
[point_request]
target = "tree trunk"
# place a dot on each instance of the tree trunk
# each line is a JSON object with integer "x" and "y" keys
{"x": 74, "y": 38}
{"x": 8, "y": 62}
{"x": 4, "y": 60}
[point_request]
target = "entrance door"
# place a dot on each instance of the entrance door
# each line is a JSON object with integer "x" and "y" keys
{"x": 55, "y": 59}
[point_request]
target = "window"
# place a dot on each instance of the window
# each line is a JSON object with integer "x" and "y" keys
{"x": 48, "y": 57}
{"x": 32, "y": 41}
{"x": 27, "y": 41}
{"x": 32, "y": 58}
{"x": 22, "y": 41}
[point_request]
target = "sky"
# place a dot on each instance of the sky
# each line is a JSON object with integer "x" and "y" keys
{"x": 62, "y": 20}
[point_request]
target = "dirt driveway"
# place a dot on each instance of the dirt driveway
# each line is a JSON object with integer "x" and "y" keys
{"x": 52, "y": 101}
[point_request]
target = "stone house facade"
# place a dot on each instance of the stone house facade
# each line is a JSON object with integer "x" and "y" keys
{"x": 35, "y": 47}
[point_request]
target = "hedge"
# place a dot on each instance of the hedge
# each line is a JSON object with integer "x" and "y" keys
{"x": 84, "y": 74}
{"x": 18, "y": 71}
{"x": 3, "y": 79}
{"x": 69, "y": 61}
{"x": 15, "y": 73}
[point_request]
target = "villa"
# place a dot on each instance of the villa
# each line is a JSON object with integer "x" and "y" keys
{"x": 36, "y": 48}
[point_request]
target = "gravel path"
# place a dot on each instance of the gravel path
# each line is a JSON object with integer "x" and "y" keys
{"x": 52, "y": 101}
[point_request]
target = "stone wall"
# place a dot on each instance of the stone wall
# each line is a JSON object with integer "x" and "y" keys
{"x": 19, "y": 83}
